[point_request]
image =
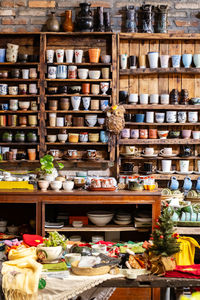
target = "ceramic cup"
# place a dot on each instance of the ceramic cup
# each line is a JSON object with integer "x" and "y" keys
{"x": 164, "y": 99}
{"x": 166, "y": 165}
{"x": 176, "y": 61}
{"x": 148, "y": 151}
{"x": 131, "y": 150}
{"x": 69, "y": 55}
{"x": 123, "y": 61}
{"x": 139, "y": 118}
{"x": 61, "y": 72}
{"x": 187, "y": 60}
{"x": 104, "y": 136}
{"x": 13, "y": 104}
{"x": 134, "y": 133}
{"x": 105, "y": 73}
{"x": 150, "y": 116}
{"x": 171, "y": 116}
{"x": 164, "y": 61}
{"x": 153, "y": 59}
{"x": 196, "y": 135}
{"x": 166, "y": 151}
{"x": 142, "y": 61}
{"x": 60, "y": 121}
{"x": 184, "y": 166}
{"x": 94, "y": 104}
{"x": 182, "y": 116}
{"x": 160, "y": 117}
{"x": 75, "y": 101}
{"x": 154, "y": 99}
{"x": 186, "y": 133}
{"x": 25, "y": 73}
{"x": 143, "y": 133}
{"x": 144, "y": 98}
{"x": 50, "y": 55}
{"x": 104, "y": 104}
{"x": 83, "y": 73}
{"x": 198, "y": 165}
{"x": 153, "y": 133}
{"x": 133, "y": 98}
{"x": 52, "y": 119}
{"x": 193, "y": 116}
{"x": 32, "y": 88}
{"x": 86, "y": 102}
{"x": 60, "y": 55}
{"x": 3, "y": 89}
{"x": 196, "y": 60}
{"x": 125, "y": 133}
{"x": 104, "y": 86}
{"x": 72, "y": 72}
{"x": 95, "y": 89}
{"x": 78, "y": 56}
{"x": 52, "y": 72}
{"x": 2, "y": 55}
{"x": 13, "y": 90}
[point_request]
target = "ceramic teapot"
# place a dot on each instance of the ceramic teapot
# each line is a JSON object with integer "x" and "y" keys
{"x": 187, "y": 185}
{"x": 173, "y": 183}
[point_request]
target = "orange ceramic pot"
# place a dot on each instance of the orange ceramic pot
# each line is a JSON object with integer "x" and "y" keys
{"x": 94, "y": 55}
{"x": 73, "y": 137}
{"x": 153, "y": 133}
{"x": 86, "y": 88}
{"x": 143, "y": 133}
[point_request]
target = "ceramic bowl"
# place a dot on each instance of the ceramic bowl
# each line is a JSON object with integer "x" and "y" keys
{"x": 51, "y": 138}
{"x": 73, "y": 137}
{"x": 186, "y": 133}
{"x": 75, "y": 89}
{"x": 60, "y": 178}
{"x": 24, "y": 105}
{"x": 3, "y": 223}
{"x": 2, "y": 228}
{"x": 94, "y": 74}
{"x": 77, "y": 224}
{"x": 83, "y": 73}
{"x": 56, "y": 185}
{"x": 163, "y": 134}
{"x": 106, "y": 59}
{"x": 100, "y": 218}
{"x": 53, "y": 90}
{"x": 195, "y": 100}
{"x": 174, "y": 134}
{"x": 101, "y": 121}
{"x": 13, "y": 229}
{"x": 68, "y": 185}
{"x": 79, "y": 181}
{"x": 93, "y": 137}
{"x": 62, "y": 137}
{"x": 43, "y": 185}
{"x": 49, "y": 254}
{"x": 71, "y": 257}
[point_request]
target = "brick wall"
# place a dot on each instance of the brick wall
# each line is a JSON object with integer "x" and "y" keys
{"x": 31, "y": 15}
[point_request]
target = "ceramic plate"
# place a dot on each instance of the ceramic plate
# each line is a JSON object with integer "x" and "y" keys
{"x": 127, "y": 154}
{"x": 184, "y": 173}
{"x": 163, "y": 155}
{"x": 162, "y": 172}
{"x": 195, "y": 172}
{"x": 153, "y": 155}
{"x": 143, "y": 219}
{"x": 122, "y": 222}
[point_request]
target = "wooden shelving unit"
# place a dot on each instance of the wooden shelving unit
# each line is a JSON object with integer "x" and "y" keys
{"x": 159, "y": 81}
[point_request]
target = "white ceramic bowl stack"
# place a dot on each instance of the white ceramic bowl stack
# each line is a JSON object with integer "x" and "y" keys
{"x": 122, "y": 218}
{"x": 91, "y": 120}
{"x": 100, "y": 218}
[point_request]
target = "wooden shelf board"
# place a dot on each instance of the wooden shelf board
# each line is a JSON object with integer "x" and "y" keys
{"x": 19, "y": 64}
{"x": 18, "y": 112}
{"x": 81, "y": 64}
{"x": 161, "y": 107}
{"x": 19, "y": 127}
{"x": 18, "y": 144}
{"x": 162, "y": 124}
{"x": 81, "y": 95}
{"x": 77, "y": 144}
{"x": 164, "y": 176}
{"x": 18, "y": 79}
{"x": 148, "y": 71}
{"x": 19, "y": 161}
{"x": 187, "y": 230}
{"x": 160, "y": 36}
{"x": 158, "y": 141}
{"x": 78, "y": 80}
{"x": 77, "y": 33}
{"x": 74, "y": 127}
{"x": 92, "y": 228}
{"x": 19, "y": 96}
{"x": 76, "y": 111}
{"x": 85, "y": 160}
{"x": 159, "y": 158}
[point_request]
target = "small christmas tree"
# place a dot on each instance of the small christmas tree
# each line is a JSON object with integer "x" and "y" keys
{"x": 164, "y": 239}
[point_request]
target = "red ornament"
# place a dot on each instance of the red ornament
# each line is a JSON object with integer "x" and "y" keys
{"x": 157, "y": 220}
{"x": 167, "y": 205}
{"x": 161, "y": 236}
{"x": 151, "y": 238}
{"x": 157, "y": 226}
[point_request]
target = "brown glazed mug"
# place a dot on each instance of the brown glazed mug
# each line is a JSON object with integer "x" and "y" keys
{"x": 78, "y": 121}
{"x": 153, "y": 133}
{"x": 86, "y": 88}
{"x": 143, "y": 133}
{"x": 22, "y": 121}
{"x": 68, "y": 120}
{"x": 12, "y": 120}
{"x": 53, "y": 104}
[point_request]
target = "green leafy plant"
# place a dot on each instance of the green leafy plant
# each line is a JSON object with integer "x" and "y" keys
{"x": 47, "y": 164}
{"x": 55, "y": 239}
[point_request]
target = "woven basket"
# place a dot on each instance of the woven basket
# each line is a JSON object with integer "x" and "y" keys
{"x": 170, "y": 197}
{"x": 89, "y": 271}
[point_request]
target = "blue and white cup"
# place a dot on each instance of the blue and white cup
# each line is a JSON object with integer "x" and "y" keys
{"x": 187, "y": 60}
{"x": 86, "y": 102}
{"x": 75, "y": 101}
{"x": 104, "y": 136}
{"x": 104, "y": 104}
{"x": 3, "y": 89}
{"x": 176, "y": 61}
{"x": 61, "y": 72}
{"x": 2, "y": 55}
{"x": 4, "y": 106}
{"x": 52, "y": 72}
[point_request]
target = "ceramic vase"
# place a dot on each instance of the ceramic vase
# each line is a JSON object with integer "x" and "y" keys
{"x": 52, "y": 23}
{"x": 75, "y": 101}
{"x": 84, "y": 21}
{"x": 86, "y": 102}
{"x": 68, "y": 25}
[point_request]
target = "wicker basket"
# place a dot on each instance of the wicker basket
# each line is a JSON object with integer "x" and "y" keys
{"x": 170, "y": 197}
{"x": 89, "y": 271}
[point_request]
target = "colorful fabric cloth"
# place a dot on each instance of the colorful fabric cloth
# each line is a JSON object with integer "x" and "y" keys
{"x": 190, "y": 271}
{"x": 32, "y": 239}
{"x": 187, "y": 251}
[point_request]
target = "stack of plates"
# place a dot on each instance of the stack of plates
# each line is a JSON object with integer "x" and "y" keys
{"x": 56, "y": 225}
{"x": 143, "y": 220}
{"x": 122, "y": 218}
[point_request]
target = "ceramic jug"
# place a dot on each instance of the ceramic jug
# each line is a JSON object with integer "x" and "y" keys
{"x": 52, "y": 23}
{"x": 84, "y": 20}
{"x": 198, "y": 185}
{"x": 187, "y": 185}
{"x": 130, "y": 19}
{"x": 173, "y": 184}
{"x": 68, "y": 25}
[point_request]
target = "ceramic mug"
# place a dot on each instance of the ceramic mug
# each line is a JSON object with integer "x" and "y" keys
{"x": 123, "y": 61}
{"x": 182, "y": 116}
{"x": 150, "y": 116}
{"x": 143, "y": 133}
{"x": 153, "y": 133}
{"x": 134, "y": 133}
{"x": 69, "y": 54}
{"x": 164, "y": 61}
{"x": 78, "y": 56}
{"x": 160, "y": 117}
{"x": 72, "y": 153}
{"x": 184, "y": 166}
{"x": 153, "y": 59}
{"x": 125, "y": 133}
{"x": 144, "y": 98}
{"x": 193, "y": 116}
{"x": 133, "y": 98}
{"x": 60, "y": 55}
{"x": 166, "y": 151}
{"x": 196, "y": 135}
{"x": 196, "y": 60}
{"x": 91, "y": 153}
{"x": 131, "y": 150}
{"x": 176, "y": 61}
{"x": 154, "y": 99}
{"x": 50, "y": 55}
{"x": 166, "y": 165}
{"x": 148, "y": 151}
{"x": 171, "y": 116}
{"x": 187, "y": 60}
{"x": 52, "y": 72}
{"x": 164, "y": 99}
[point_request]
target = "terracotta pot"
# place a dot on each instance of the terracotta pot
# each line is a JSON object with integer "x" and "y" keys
{"x": 73, "y": 137}
{"x": 94, "y": 55}
{"x": 143, "y": 133}
{"x": 153, "y": 134}
{"x": 86, "y": 88}
{"x": 68, "y": 25}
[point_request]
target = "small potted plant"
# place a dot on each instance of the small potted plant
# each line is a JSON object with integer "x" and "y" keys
{"x": 47, "y": 171}
{"x": 52, "y": 247}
